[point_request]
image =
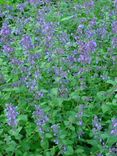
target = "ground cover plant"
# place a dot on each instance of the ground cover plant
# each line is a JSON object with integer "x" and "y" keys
{"x": 58, "y": 78}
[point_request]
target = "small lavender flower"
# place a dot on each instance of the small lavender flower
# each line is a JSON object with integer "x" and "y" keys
{"x": 114, "y": 127}
{"x": 32, "y": 1}
{"x": 91, "y": 46}
{"x": 90, "y": 33}
{"x": 7, "y": 49}
{"x": 93, "y": 22}
{"x": 84, "y": 58}
{"x": 21, "y": 6}
{"x": 39, "y": 1}
{"x": 55, "y": 129}
{"x": 101, "y": 32}
{"x": 26, "y": 42}
{"x": 96, "y": 124}
{"x": 11, "y": 113}
{"x": 41, "y": 118}
{"x": 79, "y": 115}
{"x": 39, "y": 95}
{"x": 113, "y": 150}
{"x": 71, "y": 59}
{"x": 100, "y": 154}
{"x": 89, "y": 4}
{"x": 114, "y": 27}
{"x": 5, "y": 31}
{"x": 33, "y": 57}
{"x": 115, "y": 3}
{"x": 114, "y": 42}
{"x": 16, "y": 61}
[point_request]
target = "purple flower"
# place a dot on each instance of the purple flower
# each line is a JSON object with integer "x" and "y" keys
{"x": 71, "y": 59}
{"x": 113, "y": 150}
{"x": 22, "y": 6}
{"x": 64, "y": 38}
{"x": 90, "y": 33}
{"x": 115, "y": 3}
{"x": 11, "y": 113}
{"x": 60, "y": 72}
{"x": 41, "y": 118}
{"x": 96, "y": 124}
{"x": 84, "y": 58}
{"x": 7, "y": 49}
{"x": 38, "y": 1}
{"x": 15, "y": 61}
{"x": 101, "y": 32}
{"x": 5, "y": 31}
{"x": 55, "y": 129}
{"x": 26, "y": 42}
{"x": 39, "y": 95}
{"x": 114, "y": 127}
{"x": 93, "y": 22}
{"x": 32, "y": 1}
{"x": 89, "y": 4}
{"x": 80, "y": 115}
{"x": 91, "y": 46}
{"x": 100, "y": 154}
{"x": 33, "y": 57}
{"x": 114, "y": 27}
{"x": 114, "y": 42}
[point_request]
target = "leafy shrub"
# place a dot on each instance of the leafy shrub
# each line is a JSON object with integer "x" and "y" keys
{"x": 58, "y": 78}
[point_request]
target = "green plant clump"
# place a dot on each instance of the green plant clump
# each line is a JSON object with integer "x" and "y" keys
{"x": 58, "y": 78}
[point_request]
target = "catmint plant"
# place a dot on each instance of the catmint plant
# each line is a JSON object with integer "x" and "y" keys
{"x": 56, "y": 129}
{"x": 114, "y": 127}
{"x": 41, "y": 119}
{"x": 12, "y": 114}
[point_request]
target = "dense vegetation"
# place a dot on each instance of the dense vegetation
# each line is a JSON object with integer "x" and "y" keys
{"x": 58, "y": 78}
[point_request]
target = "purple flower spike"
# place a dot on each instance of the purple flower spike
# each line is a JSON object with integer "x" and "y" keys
{"x": 11, "y": 114}
{"x": 114, "y": 127}
{"x": 114, "y": 27}
{"x": 5, "y": 31}
{"x": 91, "y": 46}
{"x": 79, "y": 115}
{"x": 96, "y": 124}
{"x": 26, "y": 42}
{"x": 7, "y": 49}
{"x": 114, "y": 42}
{"x": 38, "y": 1}
{"x": 89, "y": 4}
{"x": 40, "y": 118}
{"x": 21, "y": 6}
{"x": 55, "y": 129}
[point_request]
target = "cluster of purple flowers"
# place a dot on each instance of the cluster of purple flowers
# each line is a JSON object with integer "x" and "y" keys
{"x": 56, "y": 129}
{"x": 79, "y": 120}
{"x": 80, "y": 115}
{"x": 40, "y": 2}
{"x": 49, "y": 57}
{"x": 11, "y": 113}
{"x": 114, "y": 127}
{"x": 6, "y": 30}
{"x": 114, "y": 27}
{"x": 41, "y": 119}
{"x": 8, "y": 49}
{"x": 26, "y": 42}
{"x": 85, "y": 50}
{"x": 96, "y": 124}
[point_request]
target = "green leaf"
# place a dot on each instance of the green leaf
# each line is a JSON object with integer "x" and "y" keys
{"x": 67, "y": 18}
{"x": 48, "y": 135}
{"x": 105, "y": 108}
{"x": 22, "y": 118}
{"x": 69, "y": 151}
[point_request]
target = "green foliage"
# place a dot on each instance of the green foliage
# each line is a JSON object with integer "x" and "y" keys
{"x": 71, "y": 97}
